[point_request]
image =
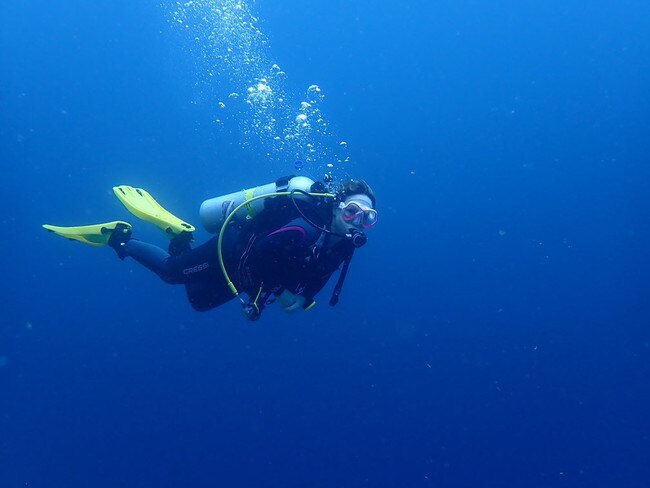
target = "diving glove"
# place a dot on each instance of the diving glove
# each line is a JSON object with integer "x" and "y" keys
{"x": 290, "y": 302}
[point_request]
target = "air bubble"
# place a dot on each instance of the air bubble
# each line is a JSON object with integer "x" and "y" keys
{"x": 235, "y": 62}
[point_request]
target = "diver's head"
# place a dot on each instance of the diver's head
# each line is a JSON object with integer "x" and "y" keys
{"x": 354, "y": 209}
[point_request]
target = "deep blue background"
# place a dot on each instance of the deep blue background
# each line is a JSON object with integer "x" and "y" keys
{"x": 494, "y": 332}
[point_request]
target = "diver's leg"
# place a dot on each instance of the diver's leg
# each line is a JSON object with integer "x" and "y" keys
{"x": 209, "y": 294}
{"x": 193, "y": 265}
{"x": 198, "y": 269}
{"x": 151, "y": 257}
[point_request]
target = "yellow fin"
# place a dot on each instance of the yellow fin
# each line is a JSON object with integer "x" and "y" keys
{"x": 93, "y": 235}
{"x": 141, "y": 204}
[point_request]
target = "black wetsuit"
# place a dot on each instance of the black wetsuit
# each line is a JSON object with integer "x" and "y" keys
{"x": 272, "y": 254}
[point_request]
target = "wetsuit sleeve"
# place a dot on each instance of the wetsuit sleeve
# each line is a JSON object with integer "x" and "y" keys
{"x": 326, "y": 267}
{"x": 315, "y": 285}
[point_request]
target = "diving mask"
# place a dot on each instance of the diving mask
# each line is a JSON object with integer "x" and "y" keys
{"x": 358, "y": 215}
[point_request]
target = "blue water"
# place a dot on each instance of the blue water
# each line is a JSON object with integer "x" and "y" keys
{"x": 493, "y": 332}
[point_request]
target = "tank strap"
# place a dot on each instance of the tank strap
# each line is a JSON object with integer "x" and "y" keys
{"x": 250, "y": 211}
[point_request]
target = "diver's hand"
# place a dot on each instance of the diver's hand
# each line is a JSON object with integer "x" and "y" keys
{"x": 290, "y": 302}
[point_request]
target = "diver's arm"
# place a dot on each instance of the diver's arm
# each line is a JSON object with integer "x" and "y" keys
{"x": 314, "y": 286}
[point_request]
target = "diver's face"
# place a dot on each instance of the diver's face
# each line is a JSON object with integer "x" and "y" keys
{"x": 354, "y": 213}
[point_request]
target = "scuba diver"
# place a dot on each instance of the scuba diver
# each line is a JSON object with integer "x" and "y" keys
{"x": 279, "y": 242}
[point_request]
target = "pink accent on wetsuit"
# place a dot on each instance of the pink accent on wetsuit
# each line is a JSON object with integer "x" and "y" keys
{"x": 297, "y": 228}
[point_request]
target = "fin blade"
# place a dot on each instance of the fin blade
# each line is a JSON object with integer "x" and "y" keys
{"x": 141, "y": 204}
{"x": 93, "y": 235}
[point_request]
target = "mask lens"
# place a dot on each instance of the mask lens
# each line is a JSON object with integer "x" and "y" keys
{"x": 369, "y": 218}
{"x": 352, "y": 213}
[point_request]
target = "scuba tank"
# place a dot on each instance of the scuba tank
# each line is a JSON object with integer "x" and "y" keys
{"x": 214, "y": 211}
